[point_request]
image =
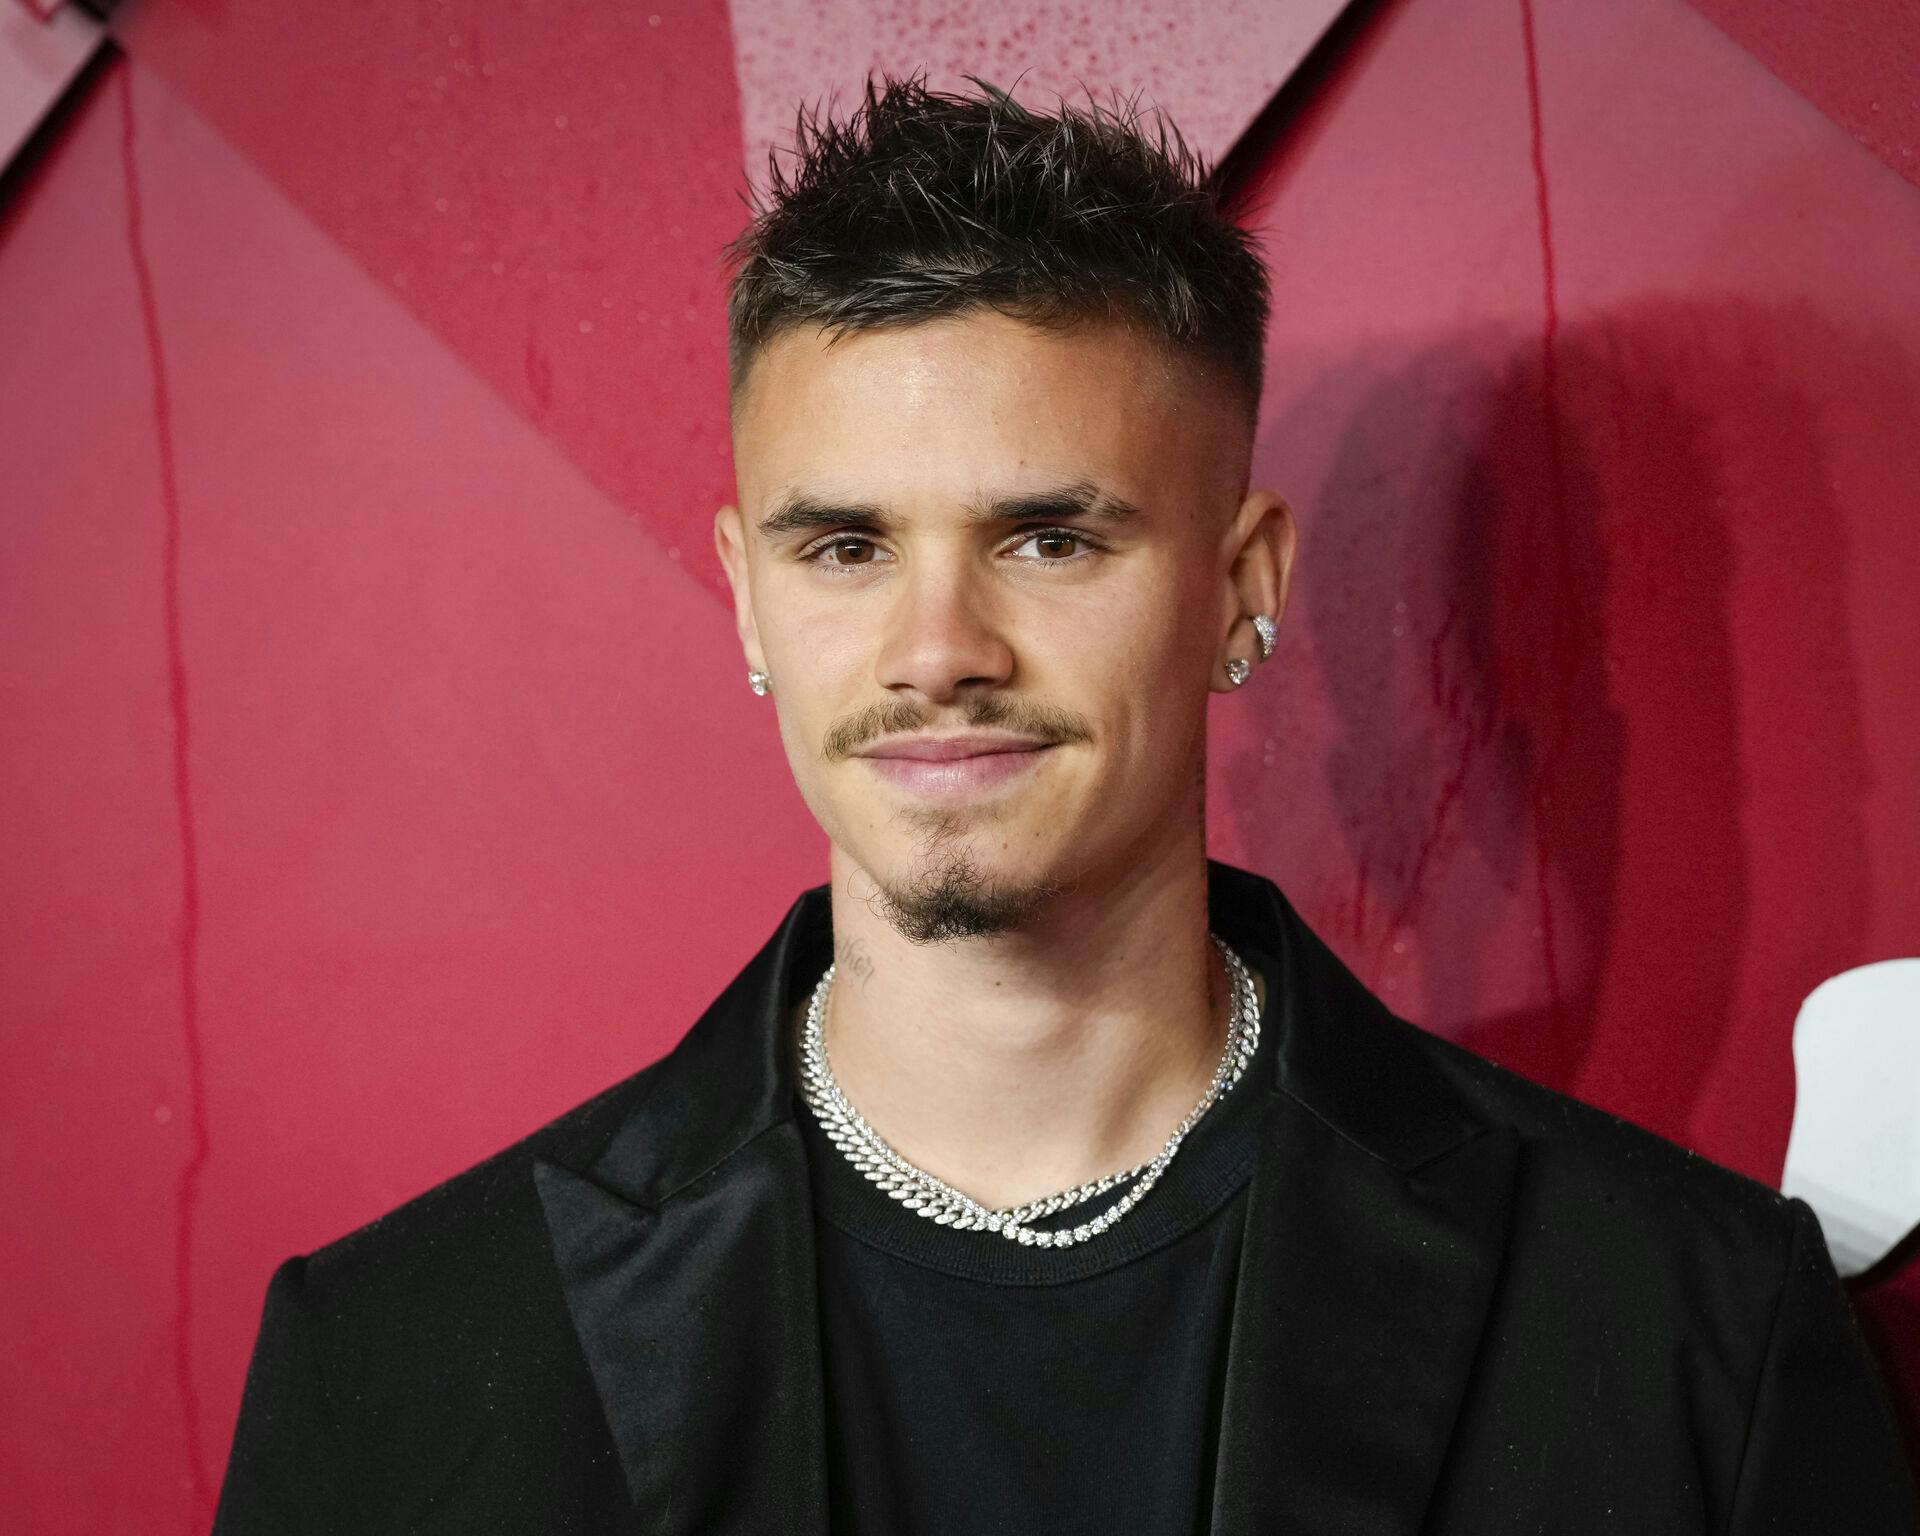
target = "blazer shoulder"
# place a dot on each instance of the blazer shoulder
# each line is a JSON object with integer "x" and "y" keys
{"x": 406, "y": 1336}
{"x": 1599, "y": 1168}
{"x": 485, "y": 1215}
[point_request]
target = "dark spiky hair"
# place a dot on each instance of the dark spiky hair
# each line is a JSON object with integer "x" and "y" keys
{"x": 923, "y": 204}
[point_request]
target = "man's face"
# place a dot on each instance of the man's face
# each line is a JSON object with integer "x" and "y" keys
{"x": 1026, "y": 547}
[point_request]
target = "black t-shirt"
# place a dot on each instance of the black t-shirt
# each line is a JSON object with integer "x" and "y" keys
{"x": 980, "y": 1387}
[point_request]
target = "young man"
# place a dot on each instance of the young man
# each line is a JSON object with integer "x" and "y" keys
{"x": 1039, "y": 1175}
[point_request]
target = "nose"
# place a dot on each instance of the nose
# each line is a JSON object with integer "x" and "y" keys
{"x": 942, "y": 635}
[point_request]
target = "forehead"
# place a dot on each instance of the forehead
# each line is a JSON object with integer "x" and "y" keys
{"x": 943, "y": 408}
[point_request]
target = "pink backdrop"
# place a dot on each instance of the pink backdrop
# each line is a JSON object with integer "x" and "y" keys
{"x": 380, "y": 778}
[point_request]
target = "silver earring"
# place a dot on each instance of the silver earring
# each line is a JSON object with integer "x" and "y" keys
{"x": 1238, "y": 670}
{"x": 1269, "y": 634}
{"x": 759, "y": 682}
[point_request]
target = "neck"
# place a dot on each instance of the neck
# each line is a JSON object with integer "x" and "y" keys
{"x": 1016, "y": 1065}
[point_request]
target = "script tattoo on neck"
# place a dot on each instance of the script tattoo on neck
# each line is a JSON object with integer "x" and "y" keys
{"x": 851, "y": 955}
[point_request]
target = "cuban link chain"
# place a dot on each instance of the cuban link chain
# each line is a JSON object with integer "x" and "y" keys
{"x": 938, "y": 1201}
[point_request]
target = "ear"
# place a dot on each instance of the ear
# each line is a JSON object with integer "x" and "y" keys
{"x": 730, "y": 542}
{"x": 1262, "y": 539}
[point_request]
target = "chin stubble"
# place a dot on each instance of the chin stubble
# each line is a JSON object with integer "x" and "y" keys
{"x": 951, "y": 897}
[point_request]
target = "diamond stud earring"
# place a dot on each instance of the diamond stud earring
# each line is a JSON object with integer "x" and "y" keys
{"x": 1239, "y": 669}
{"x": 759, "y": 682}
{"x": 1269, "y": 634}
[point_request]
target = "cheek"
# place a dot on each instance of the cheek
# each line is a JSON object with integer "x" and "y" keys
{"x": 821, "y": 675}
{"x": 1165, "y": 637}
{"x": 1141, "y": 668}
{"x": 825, "y": 642}
{"x": 818, "y": 666}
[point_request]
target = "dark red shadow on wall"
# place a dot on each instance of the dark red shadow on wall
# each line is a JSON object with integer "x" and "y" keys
{"x": 1521, "y": 607}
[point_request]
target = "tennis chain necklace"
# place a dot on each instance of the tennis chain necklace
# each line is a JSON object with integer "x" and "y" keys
{"x": 938, "y": 1201}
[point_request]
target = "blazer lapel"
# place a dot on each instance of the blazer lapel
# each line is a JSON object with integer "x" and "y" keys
{"x": 1376, "y": 1221}
{"x": 686, "y": 1253}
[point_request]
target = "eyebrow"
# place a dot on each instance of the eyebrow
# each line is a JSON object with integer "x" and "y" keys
{"x": 802, "y": 512}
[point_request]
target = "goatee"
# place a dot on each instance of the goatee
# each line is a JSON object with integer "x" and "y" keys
{"x": 951, "y": 898}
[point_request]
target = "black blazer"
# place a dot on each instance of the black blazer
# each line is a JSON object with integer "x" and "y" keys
{"x": 1466, "y": 1305}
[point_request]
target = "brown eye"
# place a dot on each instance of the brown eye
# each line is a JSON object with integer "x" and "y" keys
{"x": 1055, "y": 546}
{"x": 863, "y": 551}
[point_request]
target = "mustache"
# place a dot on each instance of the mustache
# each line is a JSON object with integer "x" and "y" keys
{"x": 897, "y": 717}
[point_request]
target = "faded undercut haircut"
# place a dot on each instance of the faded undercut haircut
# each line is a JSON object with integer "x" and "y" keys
{"x": 924, "y": 204}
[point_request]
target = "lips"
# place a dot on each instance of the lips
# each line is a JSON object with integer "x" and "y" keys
{"x": 946, "y": 749}
{"x": 957, "y": 767}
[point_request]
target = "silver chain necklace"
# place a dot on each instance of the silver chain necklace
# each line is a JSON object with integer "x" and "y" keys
{"x": 938, "y": 1201}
